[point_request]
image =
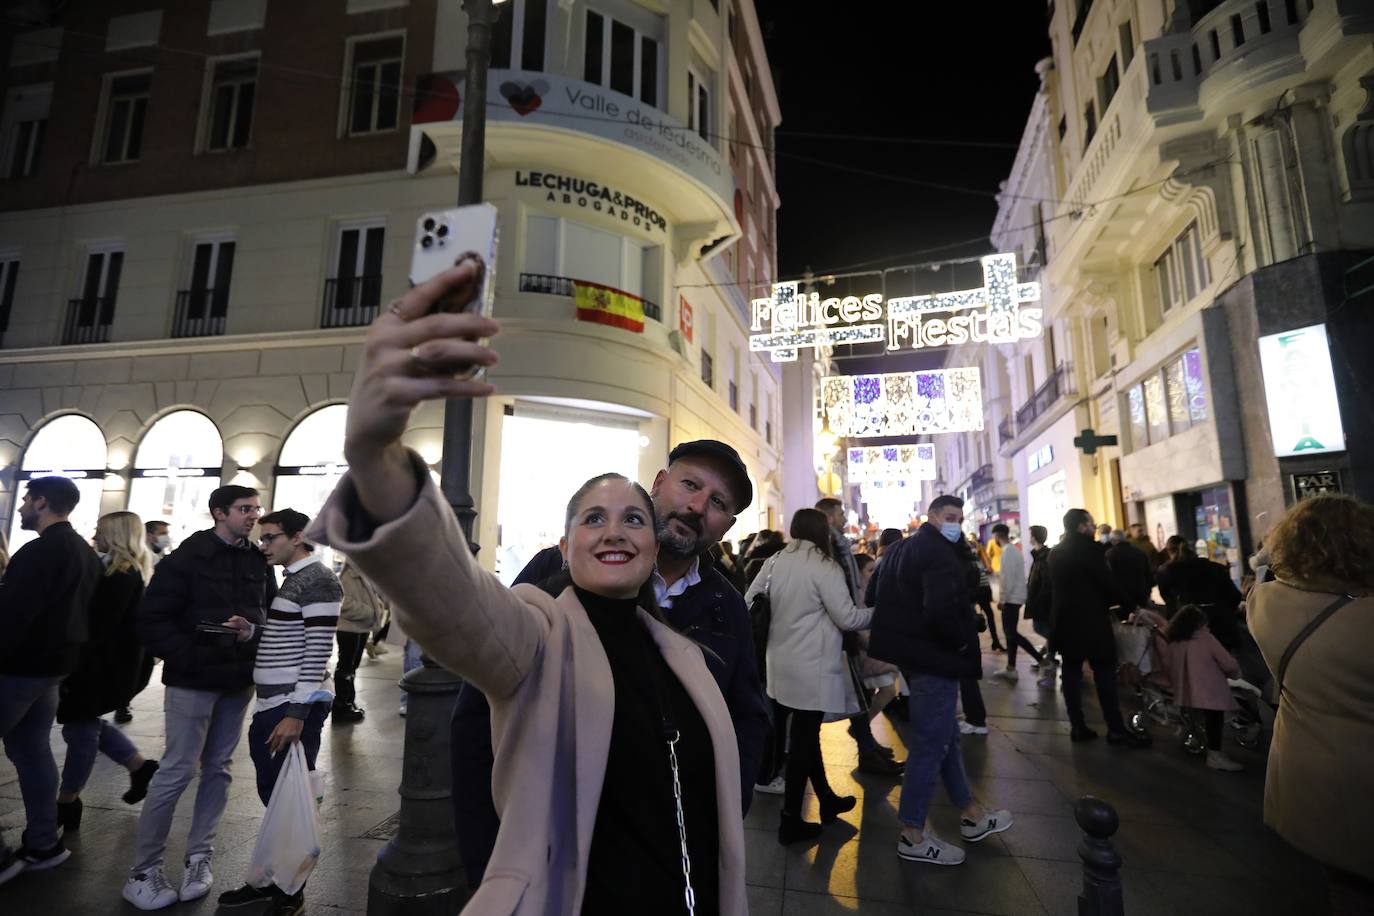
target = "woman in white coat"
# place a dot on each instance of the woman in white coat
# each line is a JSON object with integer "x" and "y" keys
{"x": 811, "y": 604}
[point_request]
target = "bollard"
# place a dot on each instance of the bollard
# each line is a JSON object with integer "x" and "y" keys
{"x": 419, "y": 873}
{"x": 1101, "y": 864}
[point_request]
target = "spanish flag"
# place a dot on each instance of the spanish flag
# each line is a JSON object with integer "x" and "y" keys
{"x": 608, "y": 305}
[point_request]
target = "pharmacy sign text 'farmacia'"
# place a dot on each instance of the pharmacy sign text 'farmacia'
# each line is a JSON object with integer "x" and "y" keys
{"x": 999, "y": 311}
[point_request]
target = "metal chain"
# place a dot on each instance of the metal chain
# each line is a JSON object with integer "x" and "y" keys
{"x": 681, "y": 824}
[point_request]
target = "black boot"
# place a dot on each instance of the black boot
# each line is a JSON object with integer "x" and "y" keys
{"x": 138, "y": 782}
{"x": 792, "y": 829}
{"x": 69, "y": 815}
{"x": 836, "y": 805}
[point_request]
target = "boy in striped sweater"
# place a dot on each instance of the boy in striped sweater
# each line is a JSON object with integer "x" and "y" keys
{"x": 288, "y": 677}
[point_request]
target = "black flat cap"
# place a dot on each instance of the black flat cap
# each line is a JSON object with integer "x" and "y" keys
{"x": 712, "y": 448}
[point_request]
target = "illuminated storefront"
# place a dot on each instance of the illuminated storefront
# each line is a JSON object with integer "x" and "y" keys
{"x": 176, "y": 468}
{"x": 67, "y": 446}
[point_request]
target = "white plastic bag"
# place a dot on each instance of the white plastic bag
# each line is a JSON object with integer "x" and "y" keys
{"x": 289, "y": 842}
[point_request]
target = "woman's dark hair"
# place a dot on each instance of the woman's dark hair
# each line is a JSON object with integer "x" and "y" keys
{"x": 862, "y": 561}
{"x": 647, "y": 597}
{"x": 1178, "y": 547}
{"x": 888, "y": 537}
{"x": 812, "y": 525}
{"x": 1185, "y": 622}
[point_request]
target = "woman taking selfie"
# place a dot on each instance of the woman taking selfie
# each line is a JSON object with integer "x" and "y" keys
{"x": 617, "y": 772}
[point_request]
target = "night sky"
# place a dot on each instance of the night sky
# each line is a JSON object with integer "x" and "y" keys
{"x": 944, "y": 71}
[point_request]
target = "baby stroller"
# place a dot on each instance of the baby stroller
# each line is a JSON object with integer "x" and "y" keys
{"x": 1142, "y": 639}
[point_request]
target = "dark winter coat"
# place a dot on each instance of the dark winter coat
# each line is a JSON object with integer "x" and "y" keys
{"x": 205, "y": 581}
{"x": 45, "y": 601}
{"x": 1131, "y": 568}
{"x": 924, "y": 620}
{"x": 758, "y": 555}
{"x": 1038, "y": 600}
{"x": 1082, "y": 590}
{"x": 112, "y": 660}
{"x": 1193, "y": 580}
{"x": 711, "y": 612}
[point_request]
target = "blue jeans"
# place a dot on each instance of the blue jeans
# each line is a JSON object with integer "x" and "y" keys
{"x": 28, "y": 706}
{"x": 932, "y": 748}
{"x": 409, "y": 662}
{"x": 84, "y": 739}
{"x": 269, "y": 766}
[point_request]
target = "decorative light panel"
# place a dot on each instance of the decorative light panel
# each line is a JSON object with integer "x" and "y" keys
{"x": 889, "y": 463}
{"x": 904, "y": 403}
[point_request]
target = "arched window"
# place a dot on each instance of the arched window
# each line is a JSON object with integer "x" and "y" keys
{"x": 311, "y": 461}
{"x": 68, "y": 446}
{"x": 176, "y": 469}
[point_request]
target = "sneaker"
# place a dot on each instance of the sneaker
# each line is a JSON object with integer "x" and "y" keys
{"x": 1218, "y": 760}
{"x": 932, "y": 850}
{"x": 10, "y": 864}
{"x": 26, "y": 859}
{"x": 138, "y": 782}
{"x": 198, "y": 879}
{"x": 777, "y": 787}
{"x": 248, "y": 895}
{"x": 967, "y": 728}
{"x": 150, "y": 890}
{"x": 1007, "y": 674}
{"x": 991, "y": 822}
{"x": 402, "y": 711}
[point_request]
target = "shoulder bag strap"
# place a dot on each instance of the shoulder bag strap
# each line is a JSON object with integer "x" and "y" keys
{"x": 1307, "y": 631}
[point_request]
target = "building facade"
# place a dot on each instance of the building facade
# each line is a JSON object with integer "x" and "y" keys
{"x": 1197, "y": 177}
{"x": 203, "y": 210}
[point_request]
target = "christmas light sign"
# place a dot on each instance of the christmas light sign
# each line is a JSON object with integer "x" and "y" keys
{"x": 999, "y": 311}
{"x": 904, "y": 403}
{"x": 874, "y": 464}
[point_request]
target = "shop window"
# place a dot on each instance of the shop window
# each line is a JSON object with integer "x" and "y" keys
{"x": 229, "y": 101}
{"x": 177, "y": 467}
{"x": 374, "y": 86}
{"x": 23, "y": 129}
{"x": 69, "y": 446}
{"x": 517, "y": 39}
{"x": 125, "y": 107}
{"x": 1169, "y": 401}
{"x": 622, "y": 58}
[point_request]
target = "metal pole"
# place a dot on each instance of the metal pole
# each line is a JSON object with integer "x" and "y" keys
{"x": 1101, "y": 864}
{"x": 419, "y": 872}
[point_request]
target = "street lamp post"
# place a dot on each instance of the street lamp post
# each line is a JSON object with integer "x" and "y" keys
{"x": 419, "y": 872}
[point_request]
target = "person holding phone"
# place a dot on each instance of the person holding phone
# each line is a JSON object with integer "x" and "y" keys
{"x": 615, "y": 750}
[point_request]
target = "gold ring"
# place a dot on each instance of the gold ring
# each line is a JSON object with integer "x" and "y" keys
{"x": 395, "y": 309}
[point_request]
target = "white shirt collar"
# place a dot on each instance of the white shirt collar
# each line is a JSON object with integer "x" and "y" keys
{"x": 665, "y": 593}
{"x": 301, "y": 564}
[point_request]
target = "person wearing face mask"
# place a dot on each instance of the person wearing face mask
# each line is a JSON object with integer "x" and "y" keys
{"x": 924, "y": 623}
{"x": 158, "y": 536}
{"x": 617, "y": 776}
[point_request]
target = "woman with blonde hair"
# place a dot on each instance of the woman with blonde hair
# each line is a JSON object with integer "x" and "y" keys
{"x": 1313, "y": 624}
{"x": 107, "y": 676}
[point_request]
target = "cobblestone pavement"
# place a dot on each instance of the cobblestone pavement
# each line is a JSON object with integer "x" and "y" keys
{"x": 1191, "y": 838}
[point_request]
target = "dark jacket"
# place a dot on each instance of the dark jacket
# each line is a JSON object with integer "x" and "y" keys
{"x": 205, "y": 581}
{"x": 710, "y": 612}
{"x": 112, "y": 660}
{"x": 45, "y": 600}
{"x": 1131, "y": 568}
{"x": 1082, "y": 589}
{"x": 1193, "y": 580}
{"x": 923, "y": 620}
{"x": 1038, "y": 604}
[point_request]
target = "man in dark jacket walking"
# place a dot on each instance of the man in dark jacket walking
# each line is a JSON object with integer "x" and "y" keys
{"x": 696, "y": 499}
{"x": 45, "y": 598}
{"x": 924, "y": 622}
{"x": 1039, "y": 610}
{"x": 194, "y": 618}
{"x": 1083, "y": 589}
{"x": 1131, "y": 567}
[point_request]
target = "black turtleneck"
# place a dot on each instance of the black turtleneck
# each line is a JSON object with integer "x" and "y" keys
{"x": 635, "y": 863}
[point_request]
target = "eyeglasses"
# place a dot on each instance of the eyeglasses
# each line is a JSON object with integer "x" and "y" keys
{"x": 267, "y": 539}
{"x": 247, "y": 510}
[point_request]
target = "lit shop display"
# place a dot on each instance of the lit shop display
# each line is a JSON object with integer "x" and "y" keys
{"x": 999, "y": 311}
{"x": 890, "y": 503}
{"x": 904, "y": 403}
{"x": 176, "y": 469}
{"x": 1304, "y": 412}
{"x": 68, "y": 446}
{"x": 892, "y": 462}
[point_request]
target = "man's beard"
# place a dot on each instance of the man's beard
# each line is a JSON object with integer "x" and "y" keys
{"x": 681, "y": 545}
{"x": 28, "y": 522}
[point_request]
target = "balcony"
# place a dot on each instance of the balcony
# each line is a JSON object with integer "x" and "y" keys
{"x": 549, "y": 285}
{"x": 200, "y": 312}
{"x": 981, "y": 478}
{"x": 1006, "y": 431}
{"x": 88, "y": 320}
{"x": 351, "y": 302}
{"x": 1058, "y": 385}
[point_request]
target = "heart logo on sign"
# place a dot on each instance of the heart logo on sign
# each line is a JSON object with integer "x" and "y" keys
{"x": 524, "y": 99}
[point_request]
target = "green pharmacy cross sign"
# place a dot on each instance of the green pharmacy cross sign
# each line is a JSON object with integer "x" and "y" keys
{"x": 1089, "y": 441}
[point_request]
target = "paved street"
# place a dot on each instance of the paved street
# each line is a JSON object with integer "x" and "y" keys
{"x": 1191, "y": 838}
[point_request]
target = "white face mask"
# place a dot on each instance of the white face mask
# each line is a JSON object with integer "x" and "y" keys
{"x": 952, "y": 531}
{"x": 163, "y": 541}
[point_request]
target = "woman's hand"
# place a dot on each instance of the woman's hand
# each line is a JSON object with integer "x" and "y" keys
{"x": 410, "y": 356}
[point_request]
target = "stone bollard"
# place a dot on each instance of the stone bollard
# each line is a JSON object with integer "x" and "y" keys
{"x": 418, "y": 872}
{"x": 1101, "y": 864}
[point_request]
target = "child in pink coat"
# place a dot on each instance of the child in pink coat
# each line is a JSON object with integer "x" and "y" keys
{"x": 1199, "y": 667}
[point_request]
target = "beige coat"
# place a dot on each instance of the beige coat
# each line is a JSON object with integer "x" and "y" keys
{"x": 1319, "y": 791}
{"x": 363, "y": 606}
{"x": 541, "y": 665}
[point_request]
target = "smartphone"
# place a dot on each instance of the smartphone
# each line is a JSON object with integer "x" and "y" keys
{"x": 442, "y": 238}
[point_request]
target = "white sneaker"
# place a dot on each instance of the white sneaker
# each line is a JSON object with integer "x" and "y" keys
{"x": 1218, "y": 760}
{"x": 931, "y": 850}
{"x": 967, "y": 729}
{"x": 777, "y": 787}
{"x": 150, "y": 890}
{"x": 1007, "y": 674}
{"x": 991, "y": 822}
{"x": 198, "y": 879}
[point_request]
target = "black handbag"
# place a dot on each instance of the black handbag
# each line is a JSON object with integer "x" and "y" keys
{"x": 761, "y": 618}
